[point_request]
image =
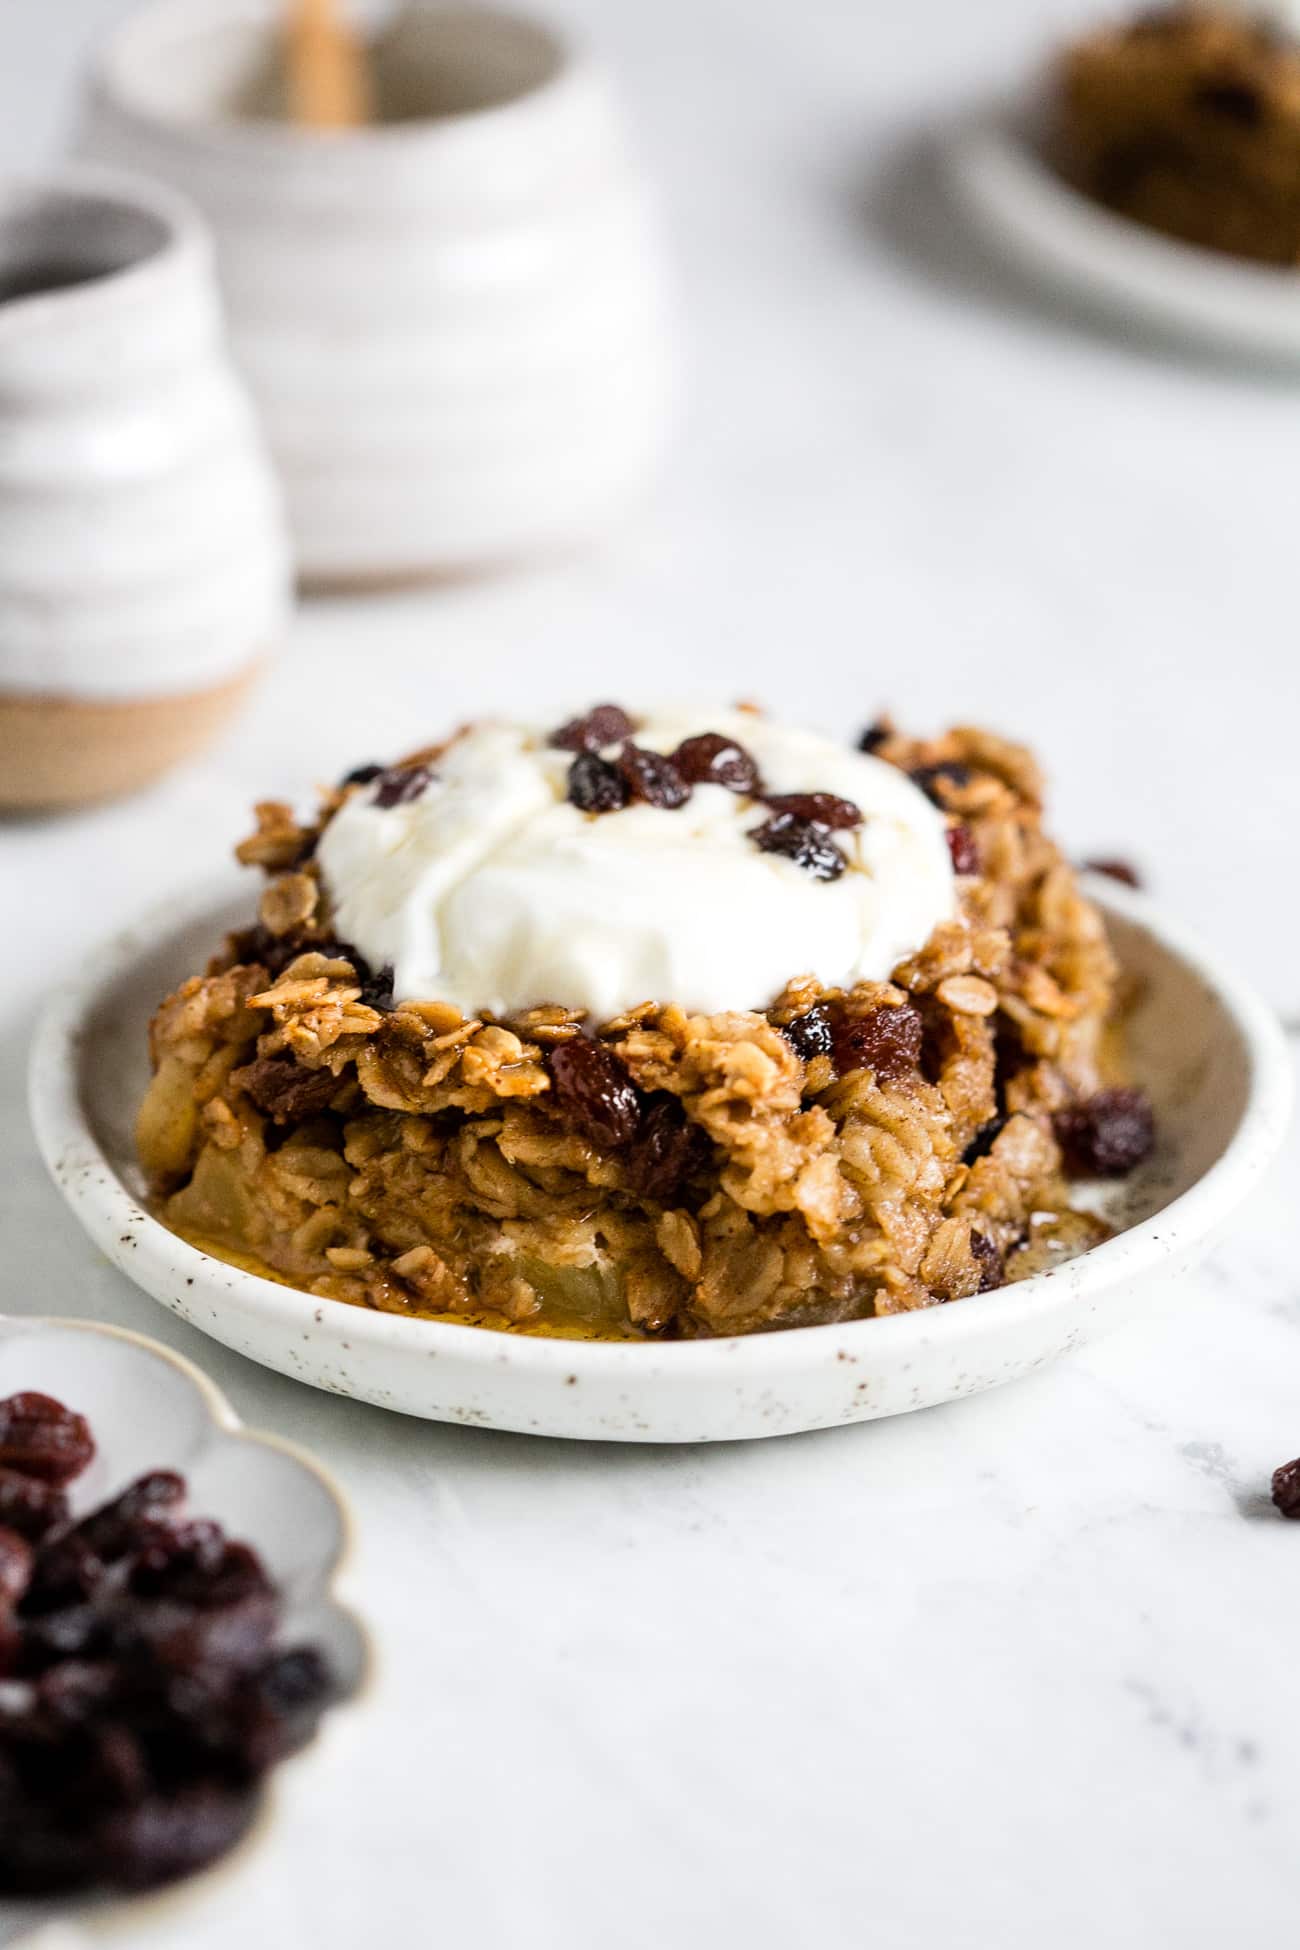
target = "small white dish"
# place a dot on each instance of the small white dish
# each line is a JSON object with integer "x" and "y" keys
{"x": 998, "y": 167}
{"x": 1211, "y": 1054}
{"x": 455, "y": 324}
{"x": 149, "y": 1408}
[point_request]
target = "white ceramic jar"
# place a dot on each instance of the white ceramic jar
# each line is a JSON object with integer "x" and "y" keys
{"x": 143, "y": 562}
{"x": 454, "y": 322}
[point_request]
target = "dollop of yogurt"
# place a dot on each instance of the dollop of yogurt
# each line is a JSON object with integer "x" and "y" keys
{"x": 490, "y": 891}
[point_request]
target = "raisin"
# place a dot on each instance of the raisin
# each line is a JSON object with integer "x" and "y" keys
{"x": 1122, "y": 870}
{"x": 594, "y": 1092}
{"x": 961, "y": 846}
{"x": 76, "y": 1689}
{"x": 1108, "y": 1134}
{"x": 595, "y": 786}
{"x": 361, "y": 775}
{"x": 399, "y": 785}
{"x": 874, "y": 737}
{"x": 805, "y": 842}
{"x": 888, "y": 1041}
{"x": 185, "y": 1637}
{"x": 278, "y": 1708}
{"x": 283, "y": 1090}
{"x": 296, "y": 1679}
{"x": 29, "y": 1506}
{"x": 982, "y": 1142}
{"x": 666, "y": 1149}
{"x": 931, "y": 778}
{"x": 711, "y": 759}
{"x": 115, "y": 1528}
{"x": 15, "y": 1568}
{"x": 811, "y": 1034}
{"x": 652, "y": 778}
{"x": 988, "y": 1259}
{"x": 1286, "y": 1488}
{"x": 168, "y": 1557}
{"x": 604, "y": 724}
{"x": 167, "y": 1836}
{"x": 68, "y": 1570}
{"x": 269, "y": 951}
{"x": 376, "y": 988}
{"x": 821, "y": 808}
{"x": 40, "y": 1437}
{"x": 74, "y": 1631}
{"x": 1232, "y": 101}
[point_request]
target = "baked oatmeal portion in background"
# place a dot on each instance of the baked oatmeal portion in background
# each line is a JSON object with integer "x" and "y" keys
{"x": 815, "y": 1150}
{"x": 1187, "y": 119}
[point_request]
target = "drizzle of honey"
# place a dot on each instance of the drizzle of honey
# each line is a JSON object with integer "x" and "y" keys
{"x": 541, "y": 1328}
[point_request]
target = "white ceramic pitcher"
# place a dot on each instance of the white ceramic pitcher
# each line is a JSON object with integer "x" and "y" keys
{"x": 143, "y": 563}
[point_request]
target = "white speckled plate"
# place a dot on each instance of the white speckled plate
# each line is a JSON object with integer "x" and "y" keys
{"x": 150, "y": 1409}
{"x": 998, "y": 167}
{"x": 1212, "y": 1055}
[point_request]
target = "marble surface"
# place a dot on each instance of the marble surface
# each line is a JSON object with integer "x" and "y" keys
{"x": 1018, "y": 1670}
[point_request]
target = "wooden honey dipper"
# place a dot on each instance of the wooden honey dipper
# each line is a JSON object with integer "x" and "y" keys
{"x": 327, "y": 79}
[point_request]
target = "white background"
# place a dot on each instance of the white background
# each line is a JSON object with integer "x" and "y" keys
{"x": 1023, "y": 1670}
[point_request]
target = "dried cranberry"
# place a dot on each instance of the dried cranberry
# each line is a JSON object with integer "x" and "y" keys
{"x": 711, "y": 759}
{"x": 40, "y": 1437}
{"x": 594, "y": 1092}
{"x": 805, "y": 842}
{"x": 398, "y": 785}
{"x": 1108, "y": 1134}
{"x": 988, "y": 1259}
{"x": 1122, "y": 870}
{"x": 822, "y": 808}
{"x": 811, "y": 1034}
{"x": 888, "y": 1041}
{"x": 666, "y": 1150}
{"x": 29, "y": 1506}
{"x": 961, "y": 846}
{"x": 874, "y": 737}
{"x": 15, "y": 1567}
{"x": 931, "y": 777}
{"x": 361, "y": 775}
{"x": 595, "y": 786}
{"x": 652, "y": 778}
{"x": 604, "y": 724}
{"x": 1286, "y": 1488}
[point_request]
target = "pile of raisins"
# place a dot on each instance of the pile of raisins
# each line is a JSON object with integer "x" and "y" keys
{"x": 801, "y": 823}
{"x": 142, "y": 1694}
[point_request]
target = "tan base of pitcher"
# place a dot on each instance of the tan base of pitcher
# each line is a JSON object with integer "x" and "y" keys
{"x": 67, "y": 751}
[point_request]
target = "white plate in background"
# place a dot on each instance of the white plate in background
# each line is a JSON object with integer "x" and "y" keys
{"x": 998, "y": 168}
